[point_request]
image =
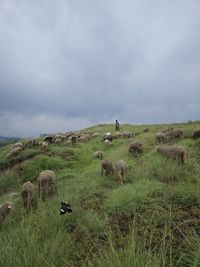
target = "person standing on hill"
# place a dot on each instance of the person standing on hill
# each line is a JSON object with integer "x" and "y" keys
{"x": 116, "y": 125}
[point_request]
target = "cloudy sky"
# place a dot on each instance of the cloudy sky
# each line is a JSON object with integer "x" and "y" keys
{"x": 66, "y": 65}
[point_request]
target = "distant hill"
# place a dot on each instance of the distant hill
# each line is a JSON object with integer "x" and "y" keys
{"x": 6, "y": 140}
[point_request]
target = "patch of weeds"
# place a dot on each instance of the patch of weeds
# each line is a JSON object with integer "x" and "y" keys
{"x": 31, "y": 169}
{"x": 174, "y": 179}
{"x": 94, "y": 201}
{"x": 65, "y": 153}
{"x": 182, "y": 199}
{"x": 92, "y": 222}
{"x": 127, "y": 198}
{"x": 9, "y": 180}
{"x": 26, "y": 154}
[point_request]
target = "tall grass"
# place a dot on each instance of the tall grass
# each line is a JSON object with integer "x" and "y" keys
{"x": 133, "y": 255}
{"x": 125, "y": 200}
{"x": 152, "y": 220}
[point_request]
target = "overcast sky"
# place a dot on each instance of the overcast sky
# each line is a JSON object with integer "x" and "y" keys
{"x": 66, "y": 65}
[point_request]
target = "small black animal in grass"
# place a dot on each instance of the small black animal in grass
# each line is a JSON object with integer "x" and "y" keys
{"x": 65, "y": 207}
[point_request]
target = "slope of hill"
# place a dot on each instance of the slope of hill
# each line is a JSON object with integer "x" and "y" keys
{"x": 152, "y": 220}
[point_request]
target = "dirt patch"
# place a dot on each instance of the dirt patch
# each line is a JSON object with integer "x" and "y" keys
{"x": 174, "y": 179}
{"x": 121, "y": 223}
{"x": 94, "y": 202}
{"x": 187, "y": 218}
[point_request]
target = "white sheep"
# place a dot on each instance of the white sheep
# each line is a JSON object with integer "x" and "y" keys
{"x": 14, "y": 152}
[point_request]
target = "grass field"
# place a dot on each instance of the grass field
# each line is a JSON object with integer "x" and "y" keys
{"x": 152, "y": 220}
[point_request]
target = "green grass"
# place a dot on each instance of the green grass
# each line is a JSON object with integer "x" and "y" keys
{"x": 132, "y": 256}
{"x": 31, "y": 168}
{"x": 9, "y": 181}
{"x": 128, "y": 198}
{"x": 152, "y": 220}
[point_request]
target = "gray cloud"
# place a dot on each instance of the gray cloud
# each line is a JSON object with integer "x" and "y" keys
{"x": 94, "y": 61}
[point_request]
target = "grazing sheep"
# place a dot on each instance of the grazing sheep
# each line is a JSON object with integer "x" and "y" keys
{"x": 34, "y": 142}
{"x": 167, "y": 130}
{"x": 98, "y": 155}
{"x": 161, "y": 138}
{"x": 108, "y": 142}
{"x": 46, "y": 184}
{"x": 107, "y": 136}
{"x": 77, "y": 134}
{"x": 28, "y": 144}
{"x": 68, "y": 134}
{"x": 106, "y": 165}
{"x": 5, "y": 210}
{"x": 48, "y": 138}
{"x": 95, "y": 135}
{"x": 146, "y": 130}
{"x": 60, "y": 137}
{"x": 175, "y": 133}
{"x": 69, "y": 142}
{"x": 73, "y": 139}
{"x": 14, "y": 152}
{"x": 128, "y": 134}
{"x": 18, "y": 145}
{"x": 31, "y": 143}
{"x": 27, "y": 194}
{"x": 45, "y": 146}
{"x": 85, "y": 138}
{"x": 58, "y": 141}
{"x": 121, "y": 170}
{"x": 118, "y": 135}
{"x": 65, "y": 207}
{"x": 196, "y": 134}
{"x": 174, "y": 152}
{"x": 136, "y": 147}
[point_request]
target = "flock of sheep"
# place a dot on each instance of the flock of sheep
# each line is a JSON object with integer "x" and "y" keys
{"x": 46, "y": 185}
{"x": 46, "y": 181}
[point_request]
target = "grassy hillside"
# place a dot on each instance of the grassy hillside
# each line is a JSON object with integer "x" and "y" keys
{"x": 152, "y": 220}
